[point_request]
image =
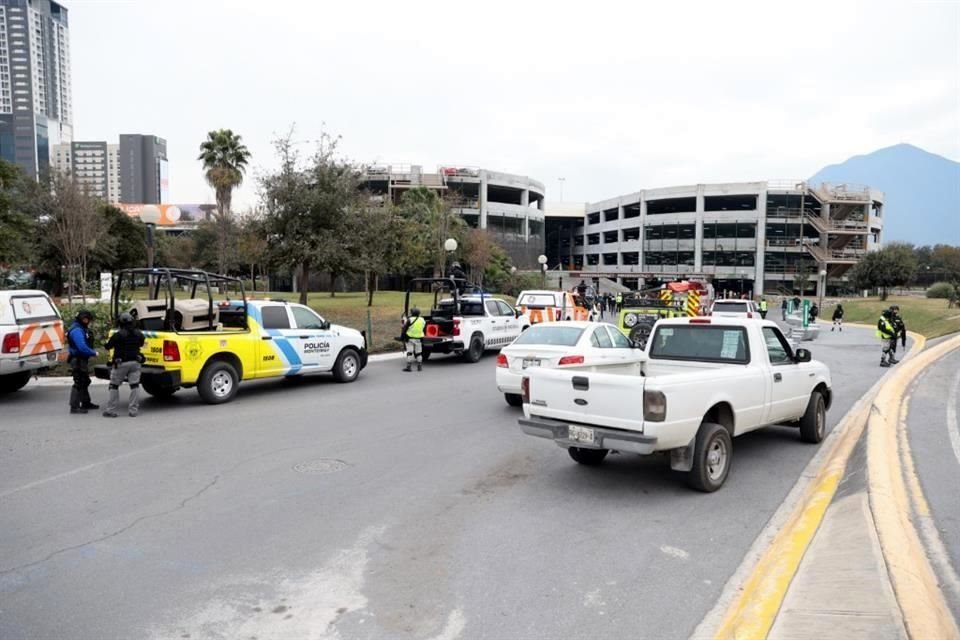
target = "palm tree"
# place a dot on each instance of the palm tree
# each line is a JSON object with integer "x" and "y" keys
{"x": 225, "y": 160}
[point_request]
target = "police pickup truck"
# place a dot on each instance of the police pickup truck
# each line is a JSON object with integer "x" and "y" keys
{"x": 705, "y": 381}
{"x": 465, "y": 324}
{"x": 194, "y": 341}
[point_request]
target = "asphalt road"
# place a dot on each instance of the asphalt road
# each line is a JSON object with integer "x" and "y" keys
{"x": 404, "y": 505}
{"x": 934, "y": 435}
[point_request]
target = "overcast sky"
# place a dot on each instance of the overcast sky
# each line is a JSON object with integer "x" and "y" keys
{"x": 613, "y": 97}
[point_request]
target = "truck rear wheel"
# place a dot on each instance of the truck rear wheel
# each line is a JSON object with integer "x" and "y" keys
{"x": 813, "y": 424}
{"x": 588, "y": 457}
{"x": 475, "y": 351}
{"x": 711, "y": 458}
{"x": 14, "y": 381}
{"x": 513, "y": 399}
{"x": 218, "y": 382}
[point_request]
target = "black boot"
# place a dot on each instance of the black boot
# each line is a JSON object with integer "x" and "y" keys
{"x": 90, "y": 405}
{"x": 419, "y": 367}
{"x": 406, "y": 368}
{"x": 78, "y": 410}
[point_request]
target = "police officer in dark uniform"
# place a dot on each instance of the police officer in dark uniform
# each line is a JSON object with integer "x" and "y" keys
{"x": 900, "y": 329}
{"x": 125, "y": 365}
{"x": 80, "y": 344}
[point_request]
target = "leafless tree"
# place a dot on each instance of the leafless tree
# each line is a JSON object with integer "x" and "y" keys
{"x": 73, "y": 226}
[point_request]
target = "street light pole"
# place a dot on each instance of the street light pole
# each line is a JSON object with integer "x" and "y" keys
{"x": 150, "y": 216}
{"x": 823, "y": 286}
{"x": 542, "y": 259}
{"x": 449, "y": 245}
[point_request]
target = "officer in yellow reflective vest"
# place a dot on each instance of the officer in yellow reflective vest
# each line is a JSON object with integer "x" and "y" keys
{"x": 619, "y": 302}
{"x": 413, "y": 332}
{"x": 763, "y": 308}
{"x": 887, "y": 333}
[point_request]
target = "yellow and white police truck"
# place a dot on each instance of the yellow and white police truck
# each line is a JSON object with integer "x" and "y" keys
{"x": 193, "y": 340}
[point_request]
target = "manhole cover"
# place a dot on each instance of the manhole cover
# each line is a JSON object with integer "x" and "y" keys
{"x": 323, "y": 465}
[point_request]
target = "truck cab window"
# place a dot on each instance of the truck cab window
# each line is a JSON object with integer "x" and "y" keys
{"x": 307, "y": 319}
{"x": 275, "y": 317}
{"x": 777, "y": 348}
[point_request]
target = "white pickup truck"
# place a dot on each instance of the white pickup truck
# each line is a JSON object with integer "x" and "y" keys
{"x": 705, "y": 381}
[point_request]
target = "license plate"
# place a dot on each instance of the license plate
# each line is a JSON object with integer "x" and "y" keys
{"x": 531, "y": 362}
{"x": 580, "y": 434}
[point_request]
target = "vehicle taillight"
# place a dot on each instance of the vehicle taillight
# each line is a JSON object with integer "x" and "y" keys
{"x": 525, "y": 390}
{"x": 502, "y": 361}
{"x": 567, "y": 360}
{"x": 432, "y": 331}
{"x": 749, "y": 314}
{"x": 456, "y": 327}
{"x": 171, "y": 352}
{"x": 699, "y": 320}
{"x": 11, "y": 343}
{"x": 558, "y": 314}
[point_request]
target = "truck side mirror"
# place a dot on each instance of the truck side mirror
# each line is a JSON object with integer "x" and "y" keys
{"x": 325, "y": 325}
{"x": 802, "y": 355}
{"x": 516, "y": 313}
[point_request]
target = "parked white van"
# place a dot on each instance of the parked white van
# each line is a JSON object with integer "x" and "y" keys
{"x": 31, "y": 337}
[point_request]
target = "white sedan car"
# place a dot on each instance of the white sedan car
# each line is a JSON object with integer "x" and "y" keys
{"x": 593, "y": 346}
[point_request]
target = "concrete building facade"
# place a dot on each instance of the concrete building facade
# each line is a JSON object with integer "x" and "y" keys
{"x": 748, "y": 238}
{"x": 96, "y": 166}
{"x": 36, "y": 110}
{"x": 510, "y": 207}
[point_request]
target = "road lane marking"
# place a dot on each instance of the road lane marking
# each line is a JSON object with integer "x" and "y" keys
{"x": 921, "y": 508}
{"x": 88, "y": 467}
{"x": 922, "y": 603}
{"x": 952, "y": 427}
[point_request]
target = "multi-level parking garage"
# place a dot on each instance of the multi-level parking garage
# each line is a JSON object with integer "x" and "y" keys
{"x": 748, "y": 238}
{"x": 510, "y": 207}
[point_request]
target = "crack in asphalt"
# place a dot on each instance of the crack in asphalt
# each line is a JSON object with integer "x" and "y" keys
{"x": 149, "y": 516}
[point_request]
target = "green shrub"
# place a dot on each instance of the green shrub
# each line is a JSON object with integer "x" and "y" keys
{"x": 943, "y": 290}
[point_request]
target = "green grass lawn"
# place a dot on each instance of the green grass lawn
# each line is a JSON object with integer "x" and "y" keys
{"x": 927, "y": 316}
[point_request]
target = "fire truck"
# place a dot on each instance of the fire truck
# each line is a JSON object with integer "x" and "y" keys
{"x": 642, "y": 309}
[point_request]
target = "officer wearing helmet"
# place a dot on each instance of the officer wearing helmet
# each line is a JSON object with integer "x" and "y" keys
{"x": 414, "y": 329}
{"x": 900, "y": 330}
{"x": 80, "y": 343}
{"x": 125, "y": 361}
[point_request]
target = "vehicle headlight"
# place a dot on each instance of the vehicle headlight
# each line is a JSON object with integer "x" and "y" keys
{"x": 629, "y": 320}
{"x": 654, "y": 406}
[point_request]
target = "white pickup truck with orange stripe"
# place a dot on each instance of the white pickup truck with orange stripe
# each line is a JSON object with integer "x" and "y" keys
{"x": 31, "y": 337}
{"x": 552, "y": 306}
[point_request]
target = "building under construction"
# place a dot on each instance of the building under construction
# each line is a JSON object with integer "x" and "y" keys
{"x": 746, "y": 238}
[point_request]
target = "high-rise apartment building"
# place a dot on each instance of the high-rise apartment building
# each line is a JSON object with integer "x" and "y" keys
{"x": 131, "y": 172}
{"x": 36, "y": 112}
{"x": 143, "y": 169}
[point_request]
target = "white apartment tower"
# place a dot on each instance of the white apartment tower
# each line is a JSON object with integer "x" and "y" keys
{"x": 36, "y": 109}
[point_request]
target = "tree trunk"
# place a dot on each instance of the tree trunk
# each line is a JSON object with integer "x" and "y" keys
{"x": 303, "y": 278}
{"x": 370, "y": 287}
{"x": 333, "y": 284}
{"x": 883, "y": 294}
{"x": 253, "y": 278}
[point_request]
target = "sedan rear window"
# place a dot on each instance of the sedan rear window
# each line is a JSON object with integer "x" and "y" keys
{"x": 730, "y": 307}
{"x": 700, "y": 342}
{"x": 550, "y": 335}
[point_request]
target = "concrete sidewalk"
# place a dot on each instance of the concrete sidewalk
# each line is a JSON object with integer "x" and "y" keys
{"x": 842, "y": 589}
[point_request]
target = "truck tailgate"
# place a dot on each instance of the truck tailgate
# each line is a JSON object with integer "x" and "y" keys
{"x": 600, "y": 399}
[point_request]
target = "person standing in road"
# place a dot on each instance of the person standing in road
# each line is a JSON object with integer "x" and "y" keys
{"x": 814, "y": 312}
{"x": 414, "y": 329}
{"x": 763, "y": 308}
{"x": 900, "y": 330}
{"x": 837, "y": 318}
{"x": 80, "y": 341}
{"x": 887, "y": 333}
{"x": 783, "y": 308}
{"x": 125, "y": 365}
{"x": 619, "y": 302}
